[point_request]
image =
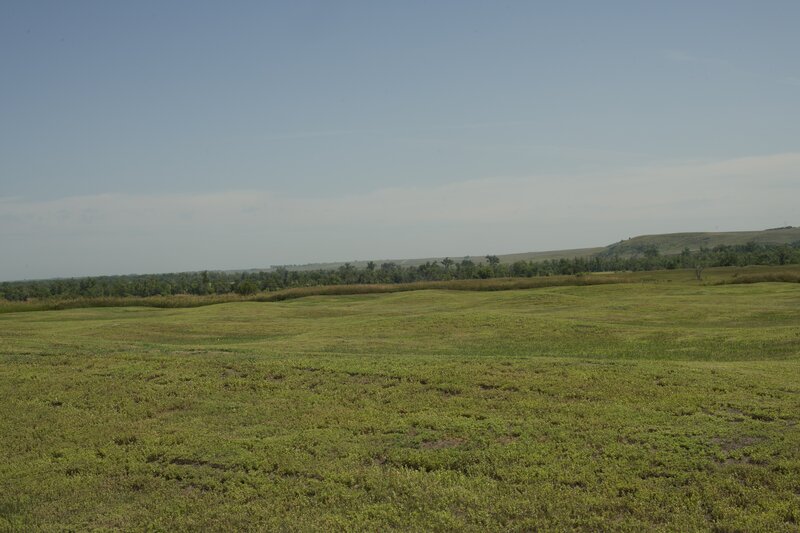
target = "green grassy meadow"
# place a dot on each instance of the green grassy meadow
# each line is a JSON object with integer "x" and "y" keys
{"x": 663, "y": 404}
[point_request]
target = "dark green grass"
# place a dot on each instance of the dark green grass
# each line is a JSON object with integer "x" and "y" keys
{"x": 663, "y": 405}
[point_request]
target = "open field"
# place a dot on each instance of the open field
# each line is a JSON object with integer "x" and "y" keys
{"x": 659, "y": 405}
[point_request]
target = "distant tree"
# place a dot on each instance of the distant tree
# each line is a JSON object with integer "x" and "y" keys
{"x": 246, "y": 286}
{"x": 348, "y": 273}
{"x": 520, "y": 269}
{"x": 466, "y": 269}
{"x": 698, "y": 270}
{"x": 784, "y": 253}
{"x": 686, "y": 258}
{"x": 484, "y": 272}
{"x": 447, "y": 263}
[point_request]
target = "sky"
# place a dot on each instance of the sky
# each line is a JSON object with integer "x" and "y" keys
{"x": 140, "y": 137}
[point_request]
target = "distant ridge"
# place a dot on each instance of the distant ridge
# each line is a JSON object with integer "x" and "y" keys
{"x": 674, "y": 243}
{"x": 666, "y": 244}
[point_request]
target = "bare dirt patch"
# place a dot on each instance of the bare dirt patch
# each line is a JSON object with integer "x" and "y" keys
{"x": 736, "y": 443}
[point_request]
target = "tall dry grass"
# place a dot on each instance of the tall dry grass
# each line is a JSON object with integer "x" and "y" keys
{"x": 766, "y": 277}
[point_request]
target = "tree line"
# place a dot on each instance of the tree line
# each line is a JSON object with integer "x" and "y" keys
{"x": 216, "y": 282}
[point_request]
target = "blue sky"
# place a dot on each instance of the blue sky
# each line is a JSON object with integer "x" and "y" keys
{"x": 161, "y": 136}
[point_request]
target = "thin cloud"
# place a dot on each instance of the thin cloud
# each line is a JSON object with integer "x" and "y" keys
{"x": 304, "y": 135}
{"x": 681, "y": 56}
{"x": 236, "y": 229}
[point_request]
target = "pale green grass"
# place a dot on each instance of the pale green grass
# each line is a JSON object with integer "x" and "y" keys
{"x": 648, "y": 406}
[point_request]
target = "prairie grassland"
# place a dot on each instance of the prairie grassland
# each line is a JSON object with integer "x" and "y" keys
{"x": 659, "y": 405}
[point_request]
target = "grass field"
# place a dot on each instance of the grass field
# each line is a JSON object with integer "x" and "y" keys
{"x": 658, "y": 405}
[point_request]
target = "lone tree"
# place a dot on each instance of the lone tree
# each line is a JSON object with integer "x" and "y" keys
{"x": 698, "y": 270}
{"x": 700, "y": 263}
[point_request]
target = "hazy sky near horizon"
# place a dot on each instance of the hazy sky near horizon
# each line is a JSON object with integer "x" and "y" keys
{"x": 170, "y": 136}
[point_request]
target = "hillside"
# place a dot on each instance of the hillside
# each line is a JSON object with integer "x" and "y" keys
{"x": 666, "y": 243}
{"x": 674, "y": 243}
